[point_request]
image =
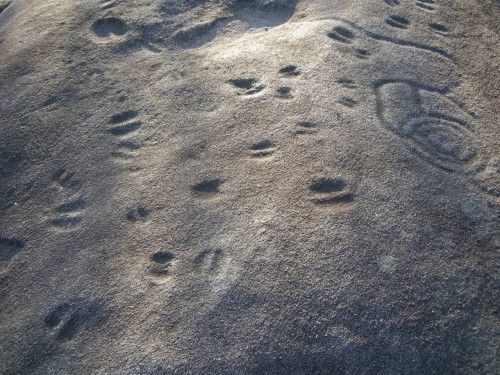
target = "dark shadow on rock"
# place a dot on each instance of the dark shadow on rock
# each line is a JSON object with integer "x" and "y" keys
{"x": 262, "y": 13}
{"x": 199, "y": 34}
{"x": 175, "y": 7}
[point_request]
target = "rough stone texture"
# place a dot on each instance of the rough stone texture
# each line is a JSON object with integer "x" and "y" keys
{"x": 249, "y": 187}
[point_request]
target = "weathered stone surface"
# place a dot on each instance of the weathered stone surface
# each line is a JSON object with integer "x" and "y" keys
{"x": 249, "y": 187}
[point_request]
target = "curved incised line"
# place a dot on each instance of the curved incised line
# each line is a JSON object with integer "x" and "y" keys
{"x": 400, "y": 42}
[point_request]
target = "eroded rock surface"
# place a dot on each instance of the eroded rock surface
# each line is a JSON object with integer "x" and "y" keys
{"x": 249, "y": 187}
